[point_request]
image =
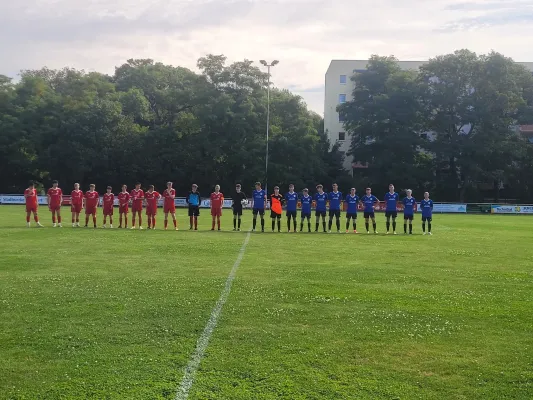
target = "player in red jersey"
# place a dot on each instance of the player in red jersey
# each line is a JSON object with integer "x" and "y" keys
{"x": 30, "y": 196}
{"x": 109, "y": 202}
{"x": 137, "y": 197}
{"x": 55, "y": 199}
{"x": 76, "y": 204}
{"x": 92, "y": 198}
{"x": 217, "y": 200}
{"x": 152, "y": 197}
{"x": 123, "y": 209}
{"x": 169, "y": 206}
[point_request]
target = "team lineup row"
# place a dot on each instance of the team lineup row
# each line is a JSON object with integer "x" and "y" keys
{"x": 321, "y": 201}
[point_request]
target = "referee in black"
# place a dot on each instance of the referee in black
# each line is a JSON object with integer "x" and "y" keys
{"x": 237, "y": 205}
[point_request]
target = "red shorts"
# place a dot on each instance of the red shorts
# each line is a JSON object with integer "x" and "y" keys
{"x": 90, "y": 210}
{"x": 216, "y": 212}
{"x": 76, "y": 208}
{"x": 31, "y": 208}
{"x": 123, "y": 208}
{"x": 135, "y": 208}
{"x": 151, "y": 211}
{"x": 108, "y": 210}
{"x": 55, "y": 207}
{"x": 170, "y": 208}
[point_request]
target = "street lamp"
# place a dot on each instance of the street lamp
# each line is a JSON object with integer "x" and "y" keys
{"x": 272, "y": 64}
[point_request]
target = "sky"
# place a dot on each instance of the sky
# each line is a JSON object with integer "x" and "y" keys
{"x": 304, "y": 35}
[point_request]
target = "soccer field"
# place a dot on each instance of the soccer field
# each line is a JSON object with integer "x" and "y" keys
{"x": 115, "y": 314}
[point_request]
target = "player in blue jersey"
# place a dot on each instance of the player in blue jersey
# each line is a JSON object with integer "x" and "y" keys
{"x": 291, "y": 200}
{"x": 351, "y": 211}
{"x": 409, "y": 204}
{"x": 320, "y": 199}
{"x": 335, "y": 199}
{"x": 391, "y": 201}
{"x": 306, "y": 201}
{"x": 427, "y": 213}
{"x": 259, "y": 197}
{"x": 369, "y": 202}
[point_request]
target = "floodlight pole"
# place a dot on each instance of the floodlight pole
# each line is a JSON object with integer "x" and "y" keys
{"x": 273, "y": 63}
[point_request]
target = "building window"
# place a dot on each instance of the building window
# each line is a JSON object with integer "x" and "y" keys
{"x": 342, "y": 98}
{"x": 343, "y": 80}
{"x": 341, "y": 117}
{"x": 342, "y": 136}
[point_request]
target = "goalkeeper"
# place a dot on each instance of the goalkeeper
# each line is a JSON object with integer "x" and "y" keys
{"x": 239, "y": 201}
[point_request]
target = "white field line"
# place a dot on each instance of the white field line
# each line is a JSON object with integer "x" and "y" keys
{"x": 203, "y": 341}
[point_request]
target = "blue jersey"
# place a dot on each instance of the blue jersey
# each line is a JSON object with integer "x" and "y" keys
{"x": 335, "y": 200}
{"x": 321, "y": 201}
{"x": 409, "y": 206}
{"x": 306, "y": 204}
{"x": 391, "y": 200}
{"x": 427, "y": 208}
{"x": 291, "y": 200}
{"x": 369, "y": 202}
{"x": 352, "y": 203}
{"x": 259, "y": 199}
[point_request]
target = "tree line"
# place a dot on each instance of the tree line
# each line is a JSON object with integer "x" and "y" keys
{"x": 450, "y": 127}
{"x": 151, "y": 123}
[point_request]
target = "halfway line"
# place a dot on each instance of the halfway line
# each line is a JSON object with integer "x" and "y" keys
{"x": 202, "y": 343}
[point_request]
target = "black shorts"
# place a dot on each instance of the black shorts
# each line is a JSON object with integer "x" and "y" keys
{"x": 291, "y": 214}
{"x": 274, "y": 214}
{"x": 428, "y": 219}
{"x": 320, "y": 213}
{"x": 407, "y": 217}
{"x": 305, "y": 215}
{"x": 351, "y": 215}
{"x": 392, "y": 214}
{"x": 334, "y": 213}
{"x": 260, "y": 211}
{"x": 369, "y": 214}
{"x": 194, "y": 211}
{"x": 237, "y": 211}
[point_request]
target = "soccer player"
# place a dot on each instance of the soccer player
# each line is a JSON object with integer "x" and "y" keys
{"x": 408, "y": 211}
{"x": 30, "y": 196}
{"x": 320, "y": 199}
{"x": 351, "y": 212}
{"x": 291, "y": 199}
{"x": 137, "y": 197}
{"x": 76, "y": 204}
{"x": 217, "y": 201}
{"x": 335, "y": 198}
{"x": 391, "y": 201}
{"x": 123, "y": 206}
{"x": 55, "y": 199}
{"x": 152, "y": 197}
{"x": 259, "y": 197}
{"x": 276, "y": 201}
{"x": 306, "y": 201}
{"x": 238, "y": 199}
{"x": 193, "y": 200}
{"x": 427, "y": 213}
{"x": 109, "y": 202}
{"x": 92, "y": 198}
{"x": 169, "y": 206}
{"x": 369, "y": 201}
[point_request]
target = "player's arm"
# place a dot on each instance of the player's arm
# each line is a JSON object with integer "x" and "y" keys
{"x": 49, "y": 198}
{"x": 61, "y": 198}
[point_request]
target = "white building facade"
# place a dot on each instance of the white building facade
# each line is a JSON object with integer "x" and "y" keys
{"x": 338, "y": 89}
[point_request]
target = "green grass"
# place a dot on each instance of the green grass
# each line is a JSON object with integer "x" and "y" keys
{"x": 111, "y": 314}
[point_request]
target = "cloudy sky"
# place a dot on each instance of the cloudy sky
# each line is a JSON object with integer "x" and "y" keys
{"x": 303, "y": 34}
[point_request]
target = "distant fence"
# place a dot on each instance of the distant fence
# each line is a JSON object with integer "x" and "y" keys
{"x": 454, "y": 208}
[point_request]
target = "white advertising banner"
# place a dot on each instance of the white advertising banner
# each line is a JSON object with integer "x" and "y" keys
{"x": 447, "y": 208}
{"x": 511, "y": 209}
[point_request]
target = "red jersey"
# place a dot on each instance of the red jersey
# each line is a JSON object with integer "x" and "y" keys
{"x": 216, "y": 200}
{"x": 77, "y": 197}
{"x": 92, "y": 199}
{"x": 55, "y": 197}
{"x": 137, "y": 197}
{"x": 151, "y": 199}
{"x": 169, "y": 195}
{"x": 123, "y": 198}
{"x": 109, "y": 200}
{"x": 31, "y": 197}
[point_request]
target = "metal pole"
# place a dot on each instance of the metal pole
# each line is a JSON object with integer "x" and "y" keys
{"x": 268, "y": 128}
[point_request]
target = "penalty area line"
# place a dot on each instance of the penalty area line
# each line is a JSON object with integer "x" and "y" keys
{"x": 203, "y": 341}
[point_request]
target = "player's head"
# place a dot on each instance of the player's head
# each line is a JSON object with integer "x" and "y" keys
{"x": 109, "y": 189}
{"x": 409, "y": 192}
{"x": 76, "y": 186}
{"x": 352, "y": 191}
{"x": 55, "y": 184}
{"x": 426, "y": 195}
{"x": 306, "y": 191}
{"x": 138, "y": 185}
{"x": 276, "y": 189}
{"x": 31, "y": 184}
{"x": 92, "y": 186}
{"x": 169, "y": 185}
{"x": 194, "y": 187}
{"x": 368, "y": 191}
{"x": 257, "y": 185}
{"x": 124, "y": 188}
{"x": 391, "y": 188}
{"x": 291, "y": 188}
{"x": 238, "y": 187}
{"x": 335, "y": 187}
{"x": 320, "y": 188}
{"x": 151, "y": 188}
{"x": 217, "y": 188}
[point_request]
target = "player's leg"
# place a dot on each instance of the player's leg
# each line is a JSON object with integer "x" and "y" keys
{"x": 317, "y": 215}
{"x": 309, "y": 222}
{"x": 53, "y": 211}
{"x": 153, "y": 219}
{"x": 174, "y": 221}
{"x": 348, "y": 217}
{"x": 405, "y": 224}
{"x": 430, "y": 220}
{"x": 28, "y": 216}
{"x": 165, "y": 222}
{"x": 73, "y": 212}
{"x": 338, "y": 220}
{"x": 423, "y": 225}
{"x": 140, "y": 219}
{"x": 111, "y": 219}
{"x": 87, "y": 216}
{"x": 330, "y": 222}
{"x": 125, "y": 220}
{"x": 324, "y": 221}
{"x": 273, "y": 218}
{"x": 394, "y": 222}
{"x": 239, "y": 219}
{"x": 387, "y": 224}
{"x": 254, "y": 219}
{"x": 105, "y": 220}
{"x": 354, "y": 219}
{"x": 191, "y": 218}
{"x": 213, "y": 221}
{"x": 410, "y": 225}
{"x": 279, "y": 222}
{"x": 288, "y": 221}
{"x": 133, "y": 217}
{"x": 374, "y": 226}
{"x": 367, "y": 225}
{"x": 36, "y": 218}
{"x": 302, "y": 223}
{"x": 219, "y": 214}
{"x": 294, "y": 221}
{"x": 262, "y": 213}
{"x": 58, "y": 211}
{"x": 234, "y": 220}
